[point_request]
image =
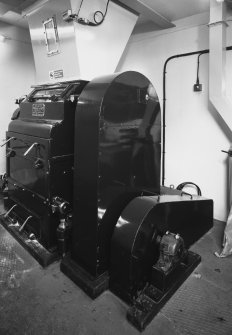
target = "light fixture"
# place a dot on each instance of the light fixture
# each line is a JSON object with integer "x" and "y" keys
{"x": 220, "y": 0}
{"x": 2, "y": 38}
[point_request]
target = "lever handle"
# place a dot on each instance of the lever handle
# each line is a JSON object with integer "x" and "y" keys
{"x": 9, "y": 139}
{"x": 8, "y": 212}
{"x": 30, "y": 148}
{"x": 24, "y": 223}
{"x": 10, "y": 153}
{"x": 227, "y": 152}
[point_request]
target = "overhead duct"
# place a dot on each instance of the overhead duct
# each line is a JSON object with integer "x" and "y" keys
{"x": 65, "y": 50}
{"x": 217, "y": 61}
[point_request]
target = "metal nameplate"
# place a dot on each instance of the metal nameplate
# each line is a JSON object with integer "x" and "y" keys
{"x": 38, "y": 110}
{"x": 56, "y": 74}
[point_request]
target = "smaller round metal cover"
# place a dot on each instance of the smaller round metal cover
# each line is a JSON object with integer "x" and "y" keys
{"x": 134, "y": 247}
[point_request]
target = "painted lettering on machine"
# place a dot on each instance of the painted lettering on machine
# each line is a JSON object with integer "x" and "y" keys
{"x": 38, "y": 110}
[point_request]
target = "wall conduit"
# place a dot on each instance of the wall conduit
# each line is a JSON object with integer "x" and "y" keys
{"x": 199, "y": 52}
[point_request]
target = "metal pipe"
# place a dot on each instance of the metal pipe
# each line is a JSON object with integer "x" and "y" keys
{"x": 30, "y": 148}
{"x": 9, "y": 139}
{"x": 7, "y": 213}
{"x": 24, "y": 223}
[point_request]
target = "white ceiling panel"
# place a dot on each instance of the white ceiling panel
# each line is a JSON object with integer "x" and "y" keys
{"x": 164, "y": 11}
{"x": 177, "y": 9}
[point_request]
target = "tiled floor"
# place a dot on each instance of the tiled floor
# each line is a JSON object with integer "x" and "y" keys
{"x": 37, "y": 301}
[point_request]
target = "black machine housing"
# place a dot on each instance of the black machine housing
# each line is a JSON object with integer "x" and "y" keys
{"x": 40, "y": 160}
{"x": 86, "y": 156}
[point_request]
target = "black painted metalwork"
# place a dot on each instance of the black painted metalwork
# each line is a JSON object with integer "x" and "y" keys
{"x": 44, "y": 256}
{"x": 117, "y": 156}
{"x": 94, "y": 149}
{"x": 151, "y": 299}
{"x": 136, "y": 239}
{"x": 39, "y": 147}
{"x": 120, "y": 211}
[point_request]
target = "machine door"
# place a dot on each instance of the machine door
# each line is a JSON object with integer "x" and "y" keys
{"x": 27, "y": 162}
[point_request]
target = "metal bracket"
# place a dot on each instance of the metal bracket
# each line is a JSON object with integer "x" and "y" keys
{"x": 217, "y": 23}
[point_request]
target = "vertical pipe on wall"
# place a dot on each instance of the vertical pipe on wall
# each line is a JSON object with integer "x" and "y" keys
{"x": 200, "y": 52}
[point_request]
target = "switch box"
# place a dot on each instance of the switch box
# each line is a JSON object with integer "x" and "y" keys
{"x": 197, "y": 87}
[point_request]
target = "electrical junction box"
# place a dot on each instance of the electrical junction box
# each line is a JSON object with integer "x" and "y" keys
{"x": 197, "y": 87}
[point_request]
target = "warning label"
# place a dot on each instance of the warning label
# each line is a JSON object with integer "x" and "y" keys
{"x": 56, "y": 74}
{"x": 38, "y": 110}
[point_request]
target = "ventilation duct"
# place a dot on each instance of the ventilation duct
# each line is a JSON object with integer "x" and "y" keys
{"x": 217, "y": 61}
{"x": 66, "y": 50}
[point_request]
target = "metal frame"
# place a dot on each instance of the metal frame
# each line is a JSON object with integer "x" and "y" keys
{"x": 51, "y": 52}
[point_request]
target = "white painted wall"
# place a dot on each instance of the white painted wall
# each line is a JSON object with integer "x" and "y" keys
{"x": 195, "y": 132}
{"x": 17, "y": 74}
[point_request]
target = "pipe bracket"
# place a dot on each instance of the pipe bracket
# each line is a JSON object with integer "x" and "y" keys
{"x": 212, "y": 24}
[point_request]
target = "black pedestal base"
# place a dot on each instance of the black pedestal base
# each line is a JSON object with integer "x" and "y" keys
{"x": 42, "y": 255}
{"x": 152, "y": 299}
{"x": 91, "y": 285}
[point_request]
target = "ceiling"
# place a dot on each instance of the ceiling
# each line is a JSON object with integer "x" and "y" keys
{"x": 177, "y": 9}
{"x": 164, "y": 11}
{"x": 10, "y": 11}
